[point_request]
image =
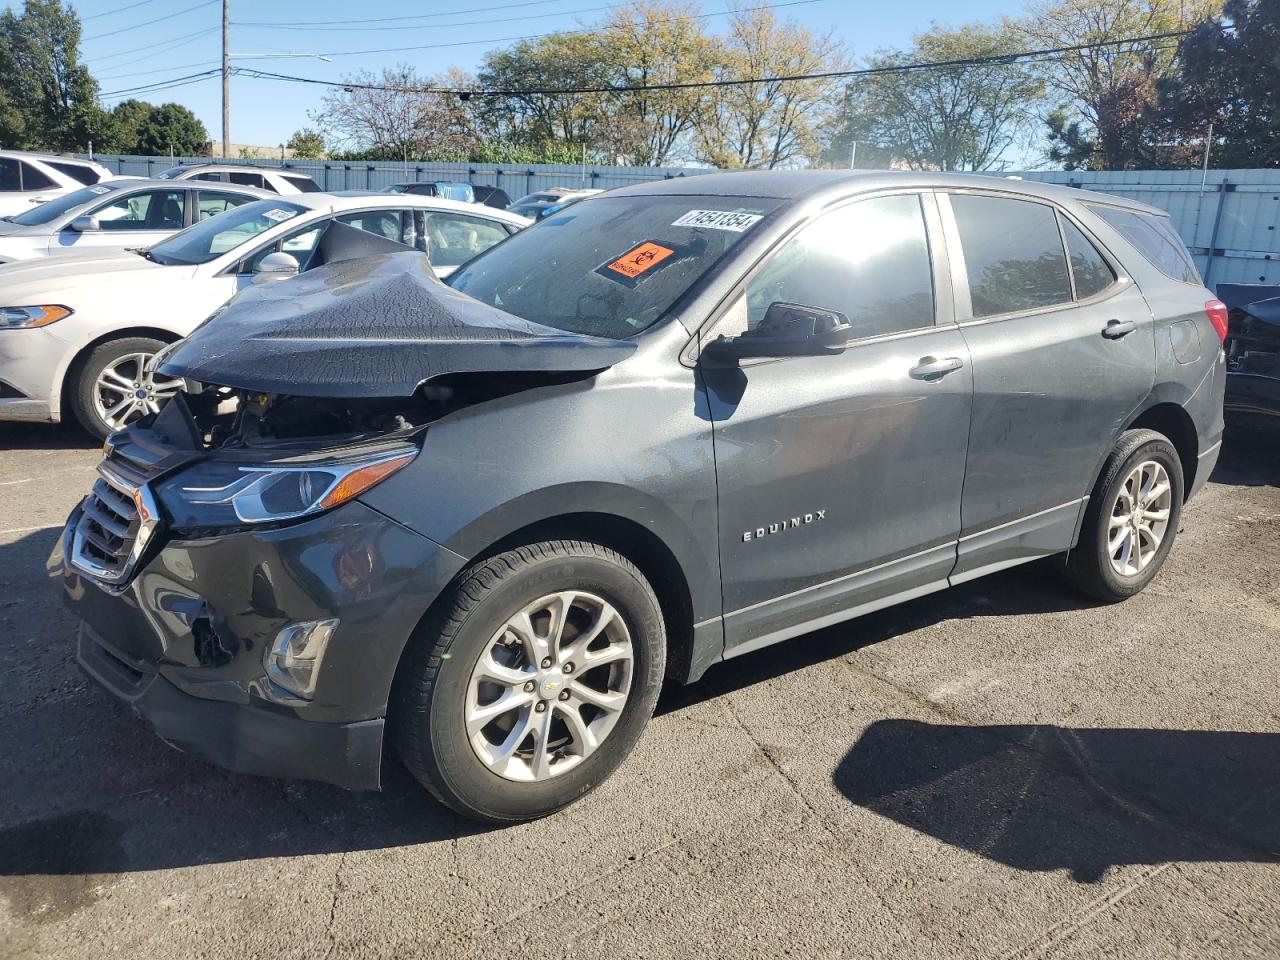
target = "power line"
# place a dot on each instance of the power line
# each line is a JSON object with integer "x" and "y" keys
{"x": 154, "y": 49}
{"x": 147, "y": 23}
{"x": 152, "y": 73}
{"x": 540, "y": 36}
{"x": 1022, "y": 57}
{"x": 164, "y": 84}
{"x": 417, "y": 16}
{"x": 460, "y": 23}
{"x": 109, "y": 13}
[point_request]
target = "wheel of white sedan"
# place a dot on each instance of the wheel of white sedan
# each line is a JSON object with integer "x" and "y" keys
{"x": 113, "y": 386}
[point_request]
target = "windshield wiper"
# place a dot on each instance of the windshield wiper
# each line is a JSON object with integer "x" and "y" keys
{"x": 148, "y": 255}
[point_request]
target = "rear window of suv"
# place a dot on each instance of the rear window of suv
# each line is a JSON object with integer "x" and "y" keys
{"x": 1156, "y": 239}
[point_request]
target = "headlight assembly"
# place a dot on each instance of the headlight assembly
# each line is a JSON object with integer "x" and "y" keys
{"x": 23, "y": 318}
{"x": 219, "y": 494}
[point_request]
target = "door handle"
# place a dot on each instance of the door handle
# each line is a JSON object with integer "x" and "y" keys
{"x": 932, "y": 368}
{"x": 1115, "y": 329}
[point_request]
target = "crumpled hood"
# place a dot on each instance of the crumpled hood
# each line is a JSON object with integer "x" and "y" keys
{"x": 374, "y": 327}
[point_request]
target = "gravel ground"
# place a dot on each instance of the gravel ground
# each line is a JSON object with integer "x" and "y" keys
{"x": 1002, "y": 770}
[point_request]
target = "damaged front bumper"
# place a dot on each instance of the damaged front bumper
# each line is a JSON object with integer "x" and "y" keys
{"x": 182, "y": 640}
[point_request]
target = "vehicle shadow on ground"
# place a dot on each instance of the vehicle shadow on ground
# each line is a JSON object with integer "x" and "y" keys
{"x": 1250, "y": 452}
{"x": 45, "y": 436}
{"x": 1050, "y": 798}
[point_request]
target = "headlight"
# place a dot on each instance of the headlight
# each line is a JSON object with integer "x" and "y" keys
{"x": 21, "y": 318}
{"x": 219, "y": 494}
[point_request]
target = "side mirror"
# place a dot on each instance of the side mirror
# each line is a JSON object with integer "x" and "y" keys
{"x": 85, "y": 223}
{"x": 787, "y": 330}
{"x": 276, "y": 266}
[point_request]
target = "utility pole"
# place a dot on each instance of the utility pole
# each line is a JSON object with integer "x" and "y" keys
{"x": 226, "y": 78}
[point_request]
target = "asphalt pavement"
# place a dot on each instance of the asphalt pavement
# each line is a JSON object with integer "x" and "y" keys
{"x": 1004, "y": 770}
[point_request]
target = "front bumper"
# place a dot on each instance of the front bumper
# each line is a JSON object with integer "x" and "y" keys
{"x": 1253, "y": 393}
{"x": 181, "y": 642}
{"x": 29, "y": 361}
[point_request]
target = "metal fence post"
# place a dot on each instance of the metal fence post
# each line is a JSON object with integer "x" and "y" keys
{"x": 1225, "y": 187}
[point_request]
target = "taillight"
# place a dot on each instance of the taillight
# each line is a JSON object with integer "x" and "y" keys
{"x": 1216, "y": 310}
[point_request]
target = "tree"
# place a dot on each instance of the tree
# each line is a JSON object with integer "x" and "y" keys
{"x": 306, "y": 144}
{"x": 398, "y": 115}
{"x": 1231, "y": 80}
{"x": 125, "y": 127}
{"x": 172, "y": 128}
{"x": 771, "y": 123}
{"x": 1108, "y": 93}
{"x": 950, "y": 118}
{"x": 48, "y": 100}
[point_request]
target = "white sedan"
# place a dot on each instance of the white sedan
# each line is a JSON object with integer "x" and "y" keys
{"x": 83, "y": 327}
{"x": 30, "y": 178}
{"x": 114, "y": 215}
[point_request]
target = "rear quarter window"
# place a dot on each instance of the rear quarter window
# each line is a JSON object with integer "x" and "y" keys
{"x": 86, "y": 175}
{"x": 1156, "y": 239}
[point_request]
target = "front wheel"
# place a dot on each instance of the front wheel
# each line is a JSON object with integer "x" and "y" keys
{"x": 113, "y": 387}
{"x": 533, "y": 682}
{"x": 1132, "y": 518}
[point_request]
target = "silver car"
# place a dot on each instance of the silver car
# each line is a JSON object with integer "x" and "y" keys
{"x": 114, "y": 216}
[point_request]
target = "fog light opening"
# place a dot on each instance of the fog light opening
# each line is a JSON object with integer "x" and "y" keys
{"x": 293, "y": 660}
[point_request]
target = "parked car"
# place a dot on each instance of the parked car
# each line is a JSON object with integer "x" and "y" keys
{"x": 78, "y": 331}
{"x": 450, "y": 190}
{"x": 491, "y": 196}
{"x": 114, "y": 215}
{"x": 535, "y": 204}
{"x": 1253, "y": 347}
{"x": 284, "y": 182}
{"x": 31, "y": 178}
{"x": 679, "y": 423}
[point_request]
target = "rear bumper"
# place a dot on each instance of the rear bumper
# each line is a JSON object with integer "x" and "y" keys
{"x": 238, "y": 737}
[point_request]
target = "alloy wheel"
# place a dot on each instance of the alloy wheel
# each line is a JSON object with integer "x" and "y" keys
{"x": 549, "y": 686}
{"x": 126, "y": 390}
{"x": 1139, "y": 518}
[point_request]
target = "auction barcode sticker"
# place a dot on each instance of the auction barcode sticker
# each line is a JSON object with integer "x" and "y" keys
{"x": 279, "y": 215}
{"x": 718, "y": 220}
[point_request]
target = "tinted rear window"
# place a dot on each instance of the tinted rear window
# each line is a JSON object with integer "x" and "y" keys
{"x": 1013, "y": 254}
{"x": 304, "y": 184}
{"x": 1156, "y": 239}
{"x": 77, "y": 172}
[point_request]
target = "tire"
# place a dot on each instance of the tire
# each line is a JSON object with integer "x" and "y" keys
{"x": 438, "y": 684}
{"x": 1090, "y": 566}
{"x": 86, "y": 377}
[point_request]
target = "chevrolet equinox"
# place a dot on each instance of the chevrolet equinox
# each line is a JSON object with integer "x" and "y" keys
{"x": 478, "y": 524}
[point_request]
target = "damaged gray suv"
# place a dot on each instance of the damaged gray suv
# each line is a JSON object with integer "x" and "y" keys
{"x": 477, "y": 525}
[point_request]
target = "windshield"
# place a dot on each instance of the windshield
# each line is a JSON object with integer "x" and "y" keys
{"x": 611, "y": 266}
{"x": 171, "y": 173}
{"x": 48, "y": 212}
{"x": 210, "y": 239}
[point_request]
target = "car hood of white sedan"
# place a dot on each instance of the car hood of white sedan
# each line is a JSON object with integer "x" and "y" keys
{"x": 58, "y": 278}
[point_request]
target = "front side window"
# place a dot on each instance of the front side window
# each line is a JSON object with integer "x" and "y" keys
{"x": 868, "y": 261}
{"x": 1156, "y": 239}
{"x": 214, "y": 202}
{"x": 152, "y": 210}
{"x": 1013, "y": 254}
{"x": 298, "y": 245}
{"x": 211, "y": 238}
{"x": 1091, "y": 272}
{"x": 452, "y": 240}
{"x": 609, "y": 266}
{"x": 35, "y": 179}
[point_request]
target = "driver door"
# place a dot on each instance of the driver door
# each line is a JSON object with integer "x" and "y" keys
{"x": 839, "y": 476}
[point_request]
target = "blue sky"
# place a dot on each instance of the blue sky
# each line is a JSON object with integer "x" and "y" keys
{"x": 128, "y": 43}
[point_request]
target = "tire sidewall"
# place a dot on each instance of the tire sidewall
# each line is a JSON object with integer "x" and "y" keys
{"x": 465, "y": 775}
{"x": 1163, "y": 452}
{"x": 87, "y": 376}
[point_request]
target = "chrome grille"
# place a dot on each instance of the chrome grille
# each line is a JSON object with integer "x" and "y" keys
{"x": 115, "y": 524}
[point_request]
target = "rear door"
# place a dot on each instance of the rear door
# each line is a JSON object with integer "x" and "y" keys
{"x": 1063, "y": 355}
{"x": 839, "y": 477}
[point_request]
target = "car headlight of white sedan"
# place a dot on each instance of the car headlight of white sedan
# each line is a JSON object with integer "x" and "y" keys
{"x": 22, "y": 318}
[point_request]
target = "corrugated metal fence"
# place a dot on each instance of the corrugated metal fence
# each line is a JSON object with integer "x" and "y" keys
{"x": 1231, "y": 222}
{"x": 516, "y": 179}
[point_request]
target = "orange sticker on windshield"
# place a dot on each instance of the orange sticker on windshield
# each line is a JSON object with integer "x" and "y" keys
{"x": 643, "y": 258}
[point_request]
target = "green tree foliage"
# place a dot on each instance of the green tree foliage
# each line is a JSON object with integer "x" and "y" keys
{"x": 954, "y": 118}
{"x": 1230, "y": 79}
{"x": 172, "y": 128}
{"x": 48, "y": 100}
{"x": 306, "y": 144}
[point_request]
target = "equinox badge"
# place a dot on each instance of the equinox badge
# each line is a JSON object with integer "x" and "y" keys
{"x": 784, "y": 525}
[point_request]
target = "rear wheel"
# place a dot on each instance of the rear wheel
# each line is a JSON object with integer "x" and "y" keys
{"x": 533, "y": 682}
{"x": 1132, "y": 518}
{"x": 113, "y": 387}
